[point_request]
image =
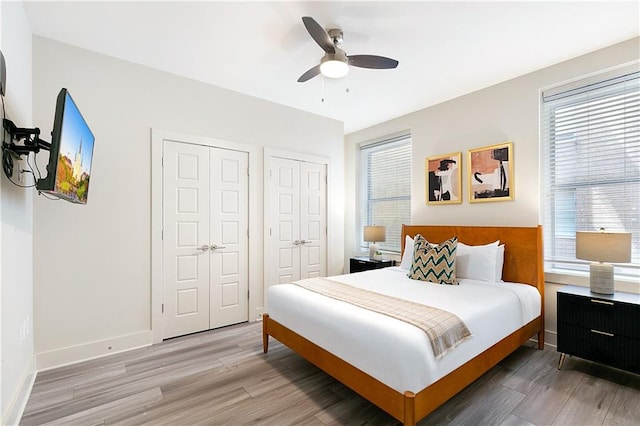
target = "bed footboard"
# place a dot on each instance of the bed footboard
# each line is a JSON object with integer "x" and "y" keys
{"x": 406, "y": 407}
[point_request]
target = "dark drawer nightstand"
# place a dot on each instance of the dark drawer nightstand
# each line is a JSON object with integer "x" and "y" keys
{"x": 363, "y": 263}
{"x": 598, "y": 327}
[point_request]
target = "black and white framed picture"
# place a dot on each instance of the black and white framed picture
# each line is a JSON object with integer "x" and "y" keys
{"x": 444, "y": 179}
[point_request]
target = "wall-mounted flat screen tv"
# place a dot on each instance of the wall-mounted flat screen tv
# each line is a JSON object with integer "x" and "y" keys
{"x": 69, "y": 167}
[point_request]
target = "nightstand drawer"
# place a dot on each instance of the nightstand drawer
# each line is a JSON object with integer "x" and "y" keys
{"x": 597, "y": 345}
{"x": 614, "y": 317}
{"x": 359, "y": 264}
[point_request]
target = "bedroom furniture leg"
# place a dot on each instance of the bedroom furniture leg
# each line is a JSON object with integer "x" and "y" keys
{"x": 541, "y": 339}
{"x": 561, "y": 361}
{"x": 409, "y": 409}
{"x": 265, "y": 333}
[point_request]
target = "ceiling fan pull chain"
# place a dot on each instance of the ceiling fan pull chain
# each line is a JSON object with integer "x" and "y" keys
{"x": 347, "y": 88}
{"x": 322, "y": 87}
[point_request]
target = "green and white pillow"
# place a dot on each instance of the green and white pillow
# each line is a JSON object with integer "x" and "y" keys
{"x": 434, "y": 264}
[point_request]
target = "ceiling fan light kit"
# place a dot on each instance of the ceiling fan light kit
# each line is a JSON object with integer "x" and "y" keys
{"x": 335, "y": 62}
{"x": 334, "y": 65}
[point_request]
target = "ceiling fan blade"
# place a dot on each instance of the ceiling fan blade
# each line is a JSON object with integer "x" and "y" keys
{"x": 372, "y": 61}
{"x": 309, "y": 74}
{"x": 319, "y": 34}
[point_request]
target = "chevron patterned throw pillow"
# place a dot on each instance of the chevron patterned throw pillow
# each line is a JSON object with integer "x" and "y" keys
{"x": 434, "y": 264}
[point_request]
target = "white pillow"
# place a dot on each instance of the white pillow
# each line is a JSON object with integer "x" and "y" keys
{"x": 499, "y": 262}
{"x": 407, "y": 255}
{"x": 477, "y": 262}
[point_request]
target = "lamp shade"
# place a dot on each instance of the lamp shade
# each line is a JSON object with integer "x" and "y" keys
{"x": 374, "y": 233}
{"x": 604, "y": 246}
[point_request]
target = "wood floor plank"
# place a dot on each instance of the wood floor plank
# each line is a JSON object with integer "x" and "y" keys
{"x": 512, "y": 420}
{"x": 95, "y": 415}
{"x": 588, "y": 404}
{"x": 221, "y": 377}
{"x": 625, "y": 405}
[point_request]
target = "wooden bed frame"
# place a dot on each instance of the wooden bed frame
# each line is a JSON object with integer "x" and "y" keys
{"x": 523, "y": 263}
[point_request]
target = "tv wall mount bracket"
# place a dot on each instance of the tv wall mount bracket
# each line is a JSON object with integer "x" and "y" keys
{"x": 11, "y": 150}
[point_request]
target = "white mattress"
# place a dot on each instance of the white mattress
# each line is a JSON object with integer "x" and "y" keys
{"x": 392, "y": 351}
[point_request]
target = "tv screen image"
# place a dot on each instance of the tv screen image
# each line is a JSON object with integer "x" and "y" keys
{"x": 69, "y": 167}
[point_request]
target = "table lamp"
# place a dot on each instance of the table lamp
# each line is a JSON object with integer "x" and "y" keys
{"x": 373, "y": 234}
{"x": 603, "y": 247}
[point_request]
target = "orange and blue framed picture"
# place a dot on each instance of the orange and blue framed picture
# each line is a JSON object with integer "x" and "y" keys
{"x": 444, "y": 178}
{"x": 491, "y": 173}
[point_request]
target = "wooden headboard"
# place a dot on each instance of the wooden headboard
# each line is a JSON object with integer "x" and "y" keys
{"x": 523, "y": 255}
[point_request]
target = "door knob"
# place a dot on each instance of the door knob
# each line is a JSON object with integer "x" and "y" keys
{"x": 215, "y": 247}
{"x": 297, "y": 242}
{"x": 204, "y": 247}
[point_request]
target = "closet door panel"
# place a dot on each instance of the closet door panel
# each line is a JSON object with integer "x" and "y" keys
{"x": 313, "y": 220}
{"x": 186, "y": 231}
{"x": 285, "y": 221}
{"x": 229, "y": 295}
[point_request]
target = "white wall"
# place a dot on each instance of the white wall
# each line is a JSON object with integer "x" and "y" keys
{"x": 16, "y": 212}
{"x": 92, "y": 262}
{"x": 505, "y": 112}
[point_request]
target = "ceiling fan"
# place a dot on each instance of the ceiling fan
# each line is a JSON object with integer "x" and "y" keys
{"x": 335, "y": 62}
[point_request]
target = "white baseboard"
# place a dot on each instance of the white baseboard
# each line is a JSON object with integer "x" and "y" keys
{"x": 74, "y": 354}
{"x": 19, "y": 400}
{"x": 551, "y": 338}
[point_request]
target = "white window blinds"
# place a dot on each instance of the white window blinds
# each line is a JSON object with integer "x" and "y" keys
{"x": 385, "y": 189}
{"x": 591, "y": 165}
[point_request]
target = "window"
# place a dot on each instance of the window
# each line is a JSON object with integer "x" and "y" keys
{"x": 385, "y": 189}
{"x": 591, "y": 165}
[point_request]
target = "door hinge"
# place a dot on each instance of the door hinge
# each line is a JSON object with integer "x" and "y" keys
{"x": 162, "y": 236}
{"x": 247, "y": 294}
{"x": 163, "y": 161}
{"x": 163, "y": 308}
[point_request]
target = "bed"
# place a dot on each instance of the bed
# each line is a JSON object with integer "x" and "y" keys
{"x": 379, "y": 367}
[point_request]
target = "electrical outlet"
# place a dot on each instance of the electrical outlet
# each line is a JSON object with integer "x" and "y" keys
{"x": 24, "y": 330}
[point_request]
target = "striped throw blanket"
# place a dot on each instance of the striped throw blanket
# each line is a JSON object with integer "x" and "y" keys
{"x": 444, "y": 329}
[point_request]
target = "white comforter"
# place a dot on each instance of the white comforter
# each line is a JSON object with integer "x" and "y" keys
{"x": 396, "y": 353}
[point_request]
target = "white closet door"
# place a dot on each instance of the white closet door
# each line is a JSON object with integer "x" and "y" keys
{"x": 313, "y": 220}
{"x": 186, "y": 187}
{"x": 284, "y": 221}
{"x": 229, "y": 240}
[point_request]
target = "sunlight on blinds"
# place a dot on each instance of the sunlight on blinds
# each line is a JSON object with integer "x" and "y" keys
{"x": 385, "y": 189}
{"x": 591, "y": 166}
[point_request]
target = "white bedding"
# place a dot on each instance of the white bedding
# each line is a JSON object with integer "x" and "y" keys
{"x": 396, "y": 353}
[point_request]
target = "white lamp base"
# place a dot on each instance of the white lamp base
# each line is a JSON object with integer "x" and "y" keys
{"x": 601, "y": 278}
{"x": 373, "y": 248}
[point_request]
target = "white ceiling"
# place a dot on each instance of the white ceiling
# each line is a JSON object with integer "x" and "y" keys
{"x": 445, "y": 48}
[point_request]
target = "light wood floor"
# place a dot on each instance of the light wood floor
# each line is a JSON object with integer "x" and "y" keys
{"x": 222, "y": 377}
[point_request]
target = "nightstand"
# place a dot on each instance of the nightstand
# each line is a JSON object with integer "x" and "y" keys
{"x": 363, "y": 263}
{"x": 599, "y": 327}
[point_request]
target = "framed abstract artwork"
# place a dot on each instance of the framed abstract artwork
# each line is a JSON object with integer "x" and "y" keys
{"x": 491, "y": 173}
{"x": 443, "y": 179}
